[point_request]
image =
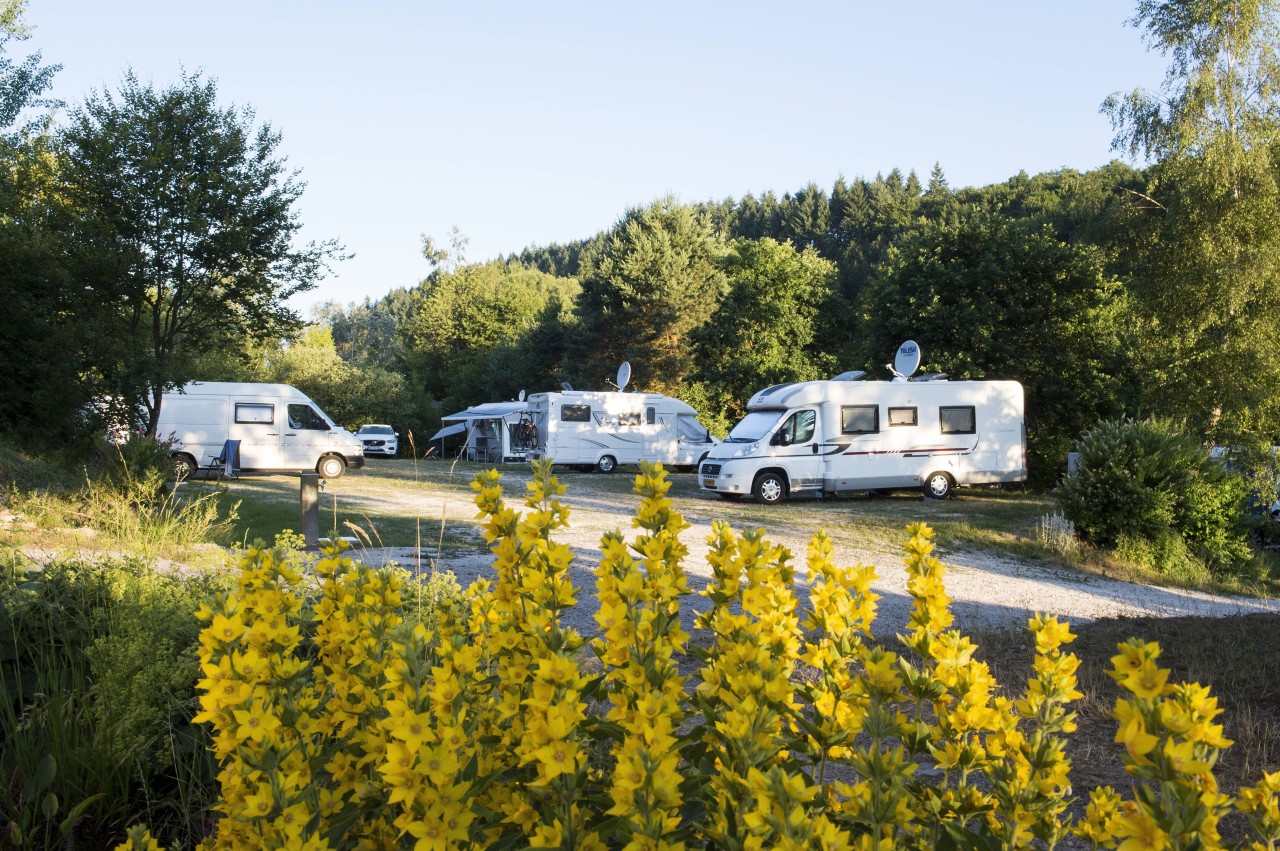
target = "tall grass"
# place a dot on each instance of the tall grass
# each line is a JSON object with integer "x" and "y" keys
{"x": 98, "y": 667}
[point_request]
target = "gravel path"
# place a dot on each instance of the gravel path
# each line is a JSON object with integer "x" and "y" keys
{"x": 989, "y": 591}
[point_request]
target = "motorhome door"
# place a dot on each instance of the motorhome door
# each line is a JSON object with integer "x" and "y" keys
{"x": 797, "y": 448}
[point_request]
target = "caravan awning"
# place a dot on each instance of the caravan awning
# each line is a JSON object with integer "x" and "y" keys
{"x": 487, "y": 411}
{"x": 456, "y": 428}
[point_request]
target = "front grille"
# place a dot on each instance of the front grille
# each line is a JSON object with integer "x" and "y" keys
{"x": 710, "y": 469}
{"x": 374, "y": 442}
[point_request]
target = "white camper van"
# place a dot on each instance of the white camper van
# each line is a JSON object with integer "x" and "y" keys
{"x": 602, "y": 429}
{"x": 824, "y": 437}
{"x": 279, "y": 429}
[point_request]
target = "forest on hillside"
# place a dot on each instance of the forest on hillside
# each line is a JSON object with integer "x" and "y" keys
{"x": 127, "y": 269}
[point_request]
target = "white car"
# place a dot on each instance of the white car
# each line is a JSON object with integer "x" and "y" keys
{"x": 379, "y": 439}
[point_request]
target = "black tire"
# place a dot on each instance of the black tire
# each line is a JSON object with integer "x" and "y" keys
{"x": 770, "y": 488}
{"x": 938, "y": 485}
{"x": 607, "y": 464}
{"x": 731, "y": 497}
{"x": 331, "y": 466}
{"x": 184, "y": 467}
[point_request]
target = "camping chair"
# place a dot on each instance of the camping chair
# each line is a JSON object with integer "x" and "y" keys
{"x": 227, "y": 463}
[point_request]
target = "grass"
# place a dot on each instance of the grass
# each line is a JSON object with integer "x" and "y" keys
{"x": 1234, "y": 656}
{"x": 402, "y": 503}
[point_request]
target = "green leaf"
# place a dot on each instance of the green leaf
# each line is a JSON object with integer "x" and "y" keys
{"x": 49, "y": 806}
{"x": 46, "y": 770}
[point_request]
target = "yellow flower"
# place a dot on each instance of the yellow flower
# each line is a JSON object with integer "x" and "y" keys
{"x": 1140, "y": 831}
{"x": 1146, "y": 681}
{"x": 1135, "y": 738}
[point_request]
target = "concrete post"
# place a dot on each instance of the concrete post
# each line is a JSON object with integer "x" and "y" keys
{"x": 309, "y": 504}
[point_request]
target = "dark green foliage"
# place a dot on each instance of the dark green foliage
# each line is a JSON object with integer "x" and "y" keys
{"x": 989, "y": 297}
{"x": 764, "y": 331}
{"x": 183, "y": 219}
{"x": 1149, "y": 480}
{"x": 98, "y": 663}
{"x": 653, "y": 281}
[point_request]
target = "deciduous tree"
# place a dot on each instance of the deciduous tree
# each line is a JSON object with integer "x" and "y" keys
{"x": 1208, "y": 272}
{"x": 185, "y": 221}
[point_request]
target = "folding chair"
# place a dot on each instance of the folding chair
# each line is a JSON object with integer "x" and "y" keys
{"x": 227, "y": 463}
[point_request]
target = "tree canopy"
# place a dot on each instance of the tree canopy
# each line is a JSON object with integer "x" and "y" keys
{"x": 184, "y": 224}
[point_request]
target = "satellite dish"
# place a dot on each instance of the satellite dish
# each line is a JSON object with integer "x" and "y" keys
{"x": 566, "y": 386}
{"x": 907, "y": 360}
{"x": 624, "y": 375}
{"x": 520, "y": 395}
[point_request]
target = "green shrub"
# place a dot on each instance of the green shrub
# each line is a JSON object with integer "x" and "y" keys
{"x": 98, "y": 666}
{"x": 1145, "y": 479}
{"x": 139, "y": 469}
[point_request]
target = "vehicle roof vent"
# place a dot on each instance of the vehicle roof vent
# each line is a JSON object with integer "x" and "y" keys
{"x": 766, "y": 391}
{"x": 851, "y": 375}
{"x": 930, "y": 376}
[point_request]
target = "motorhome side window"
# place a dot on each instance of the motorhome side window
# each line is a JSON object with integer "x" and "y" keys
{"x": 799, "y": 427}
{"x": 631, "y": 418}
{"x": 902, "y": 417}
{"x": 650, "y": 415}
{"x": 255, "y": 413}
{"x": 305, "y": 417}
{"x": 860, "y": 419}
{"x": 575, "y": 413}
{"x": 958, "y": 420}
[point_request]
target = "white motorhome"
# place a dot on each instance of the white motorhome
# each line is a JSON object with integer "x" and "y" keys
{"x": 498, "y": 432}
{"x": 279, "y": 429}
{"x": 824, "y": 437}
{"x": 602, "y": 429}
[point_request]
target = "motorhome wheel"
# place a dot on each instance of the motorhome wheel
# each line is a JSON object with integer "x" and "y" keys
{"x": 331, "y": 467}
{"x": 769, "y": 488}
{"x": 184, "y": 467}
{"x": 937, "y": 485}
{"x": 607, "y": 464}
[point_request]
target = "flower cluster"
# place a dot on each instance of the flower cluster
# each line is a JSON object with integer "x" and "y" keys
{"x": 343, "y": 719}
{"x": 1171, "y": 746}
{"x": 539, "y": 705}
{"x": 639, "y": 590}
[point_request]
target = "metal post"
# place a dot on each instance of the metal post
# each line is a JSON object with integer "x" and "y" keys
{"x": 309, "y": 503}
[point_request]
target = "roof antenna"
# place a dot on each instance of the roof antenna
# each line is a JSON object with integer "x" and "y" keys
{"x": 566, "y": 386}
{"x": 906, "y": 361}
{"x": 624, "y": 376}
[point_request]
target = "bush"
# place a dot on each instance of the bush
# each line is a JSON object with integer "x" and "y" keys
{"x": 344, "y": 725}
{"x": 98, "y": 663}
{"x": 139, "y": 469}
{"x": 1147, "y": 480}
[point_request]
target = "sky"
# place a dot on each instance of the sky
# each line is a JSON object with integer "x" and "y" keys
{"x": 525, "y": 124}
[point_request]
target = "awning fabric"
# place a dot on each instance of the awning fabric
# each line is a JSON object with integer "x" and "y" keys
{"x": 487, "y": 411}
{"x": 456, "y": 428}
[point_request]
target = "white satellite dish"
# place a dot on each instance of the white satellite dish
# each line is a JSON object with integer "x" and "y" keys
{"x": 907, "y": 360}
{"x": 520, "y": 395}
{"x": 624, "y": 375}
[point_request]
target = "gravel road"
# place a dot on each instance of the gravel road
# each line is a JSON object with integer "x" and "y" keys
{"x": 990, "y": 591}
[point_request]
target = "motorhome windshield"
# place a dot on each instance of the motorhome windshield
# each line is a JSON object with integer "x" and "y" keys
{"x": 754, "y": 426}
{"x": 690, "y": 429}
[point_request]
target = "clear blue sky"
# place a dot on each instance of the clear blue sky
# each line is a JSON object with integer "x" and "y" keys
{"x": 531, "y": 123}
